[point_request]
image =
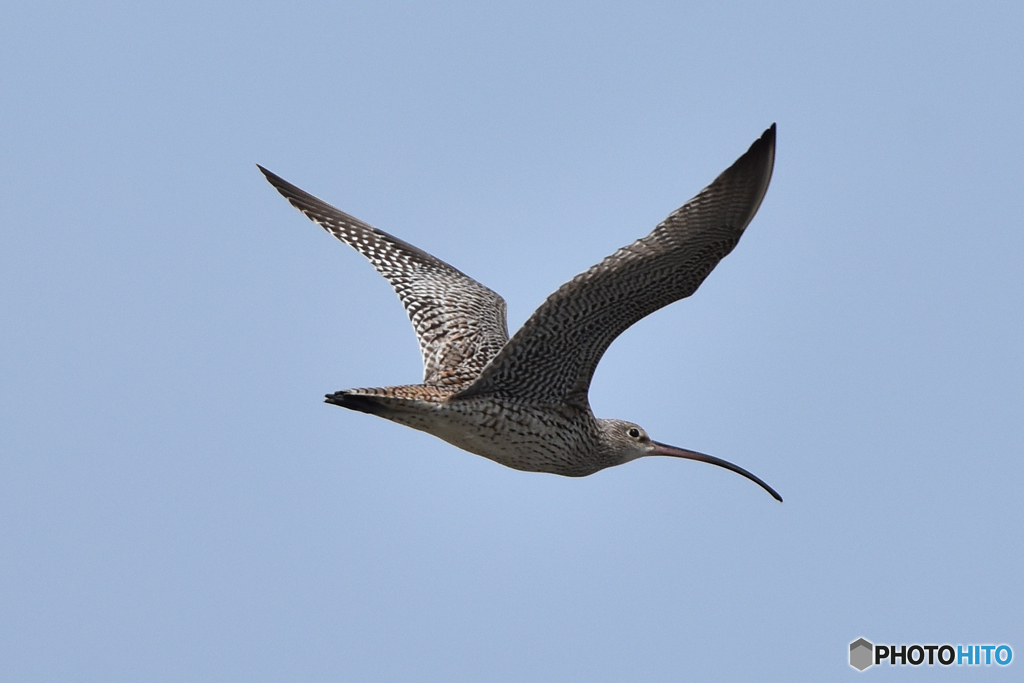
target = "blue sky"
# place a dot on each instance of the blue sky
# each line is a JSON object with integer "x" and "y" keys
{"x": 177, "y": 503}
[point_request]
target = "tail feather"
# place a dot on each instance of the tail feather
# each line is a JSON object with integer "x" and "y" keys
{"x": 412, "y": 405}
{"x": 360, "y": 402}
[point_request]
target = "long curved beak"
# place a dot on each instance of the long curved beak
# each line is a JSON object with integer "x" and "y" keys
{"x": 665, "y": 449}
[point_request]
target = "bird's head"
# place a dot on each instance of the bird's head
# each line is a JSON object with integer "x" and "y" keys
{"x": 627, "y": 441}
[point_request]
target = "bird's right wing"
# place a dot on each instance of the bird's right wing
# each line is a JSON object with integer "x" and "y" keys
{"x": 459, "y": 323}
{"x": 553, "y": 357}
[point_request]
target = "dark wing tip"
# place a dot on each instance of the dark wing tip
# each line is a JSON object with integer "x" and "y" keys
{"x": 750, "y": 175}
{"x": 319, "y": 211}
{"x": 764, "y": 146}
{"x": 270, "y": 176}
{"x": 363, "y": 404}
{"x": 289, "y": 191}
{"x": 761, "y": 153}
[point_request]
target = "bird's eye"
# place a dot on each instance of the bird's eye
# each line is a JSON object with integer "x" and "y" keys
{"x": 634, "y": 432}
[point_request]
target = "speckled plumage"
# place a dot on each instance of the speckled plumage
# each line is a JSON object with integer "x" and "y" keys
{"x": 523, "y": 402}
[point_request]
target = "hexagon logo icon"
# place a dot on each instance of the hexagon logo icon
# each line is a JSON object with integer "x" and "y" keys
{"x": 861, "y": 654}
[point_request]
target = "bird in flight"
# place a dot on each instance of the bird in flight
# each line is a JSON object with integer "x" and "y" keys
{"x": 522, "y": 402}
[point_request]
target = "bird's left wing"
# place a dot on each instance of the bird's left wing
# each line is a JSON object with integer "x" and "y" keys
{"x": 553, "y": 357}
{"x": 459, "y": 323}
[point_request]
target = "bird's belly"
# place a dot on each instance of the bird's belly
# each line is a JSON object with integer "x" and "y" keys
{"x": 523, "y": 438}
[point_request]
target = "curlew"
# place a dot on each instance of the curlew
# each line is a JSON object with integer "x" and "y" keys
{"x": 523, "y": 402}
